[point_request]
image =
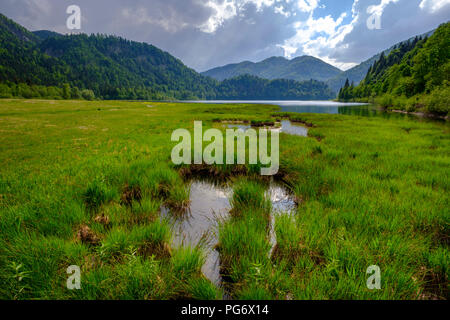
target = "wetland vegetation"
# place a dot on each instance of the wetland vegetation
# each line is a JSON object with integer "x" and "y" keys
{"x": 91, "y": 184}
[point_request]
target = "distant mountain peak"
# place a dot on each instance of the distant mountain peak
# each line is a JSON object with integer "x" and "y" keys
{"x": 299, "y": 68}
{"x": 275, "y": 58}
{"x": 303, "y": 57}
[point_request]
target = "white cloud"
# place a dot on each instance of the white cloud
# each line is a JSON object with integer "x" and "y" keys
{"x": 345, "y": 43}
{"x": 224, "y": 10}
{"x": 379, "y": 9}
{"x": 281, "y": 10}
{"x": 259, "y": 3}
{"x": 307, "y": 5}
{"x": 433, "y": 5}
{"x": 316, "y": 36}
{"x": 44, "y": 5}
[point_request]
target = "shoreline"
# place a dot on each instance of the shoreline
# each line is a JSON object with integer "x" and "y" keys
{"x": 419, "y": 114}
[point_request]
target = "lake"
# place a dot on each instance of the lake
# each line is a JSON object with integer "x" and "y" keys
{"x": 328, "y": 107}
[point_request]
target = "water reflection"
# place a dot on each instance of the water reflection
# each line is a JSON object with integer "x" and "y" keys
{"x": 239, "y": 126}
{"x": 286, "y": 127}
{"x": 294, "y": 129}
{"x": 210, "y": 204}
{"x": 282, "y": 203}
{"x": 345, "y": 109}
{"x": 329, "y": 107}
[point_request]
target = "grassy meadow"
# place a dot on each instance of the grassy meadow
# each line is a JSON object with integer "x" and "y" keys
{"x": 82, "y": 183}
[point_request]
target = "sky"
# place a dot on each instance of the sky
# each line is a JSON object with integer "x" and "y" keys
{"x": 210, "y": 33}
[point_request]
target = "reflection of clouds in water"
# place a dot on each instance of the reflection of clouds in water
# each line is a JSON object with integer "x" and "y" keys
{"x": 210, "y": 204}
{"x": 223, "y": 194}
{"x": 238, "y": 126}
{"x": 294, "y": 129}
{"x": 282, "y": 201}
{"x": 286, "y": 127}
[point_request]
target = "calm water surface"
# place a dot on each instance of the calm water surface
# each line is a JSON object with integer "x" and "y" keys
{"x": 210, "y": 204}
{"x": 286, "y": 127}
{"x": 324, "y": 107}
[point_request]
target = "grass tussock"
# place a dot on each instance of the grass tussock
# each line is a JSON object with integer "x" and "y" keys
{"x": 146, "y": 240}
{"x": 188, "y": 261}
{"x": 244, "y": 241}
{"x": 97, "y": 194}
{"x": 249, "y": 195}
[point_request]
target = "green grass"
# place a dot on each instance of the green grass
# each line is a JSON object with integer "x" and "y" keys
{"x": 188, "y": 261}
{"x": 371, "y": 191}
{"x": 203, "y": 289}
{"x": 147, "y": 240}
{"x": 249, "y": 195}
{"x": 289, "y": 245}
{"x": 244, "y": 239}
{"x": 97, "y": 194}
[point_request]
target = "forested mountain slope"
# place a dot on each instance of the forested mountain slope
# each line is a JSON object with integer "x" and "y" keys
{"x": 299, "y": 69}
{"x": 359, "y": 72}
{"x": 414, "y": 76}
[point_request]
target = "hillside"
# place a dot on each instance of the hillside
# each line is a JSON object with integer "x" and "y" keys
{"x": 359, "y": 72}
{"x": 21, "y": 62}
{"x": 247, "y": 87}
{"x": 12, "y": 32}
{"x": 355, "y": 74}
{"x": 302, "y": 68}
{"x": 415, "y": 76}
{"x": 45, "y": 34}
{"x": 45, "y": 64}
{"x": 299, "y": 69}
{"x": 108, "y": 65}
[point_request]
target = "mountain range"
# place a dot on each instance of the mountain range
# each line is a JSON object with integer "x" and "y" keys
{"x": 300, "y": 69}
{"x": 115, "y": 68}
